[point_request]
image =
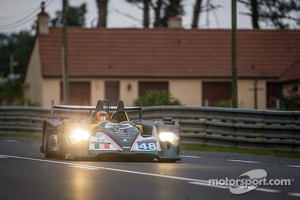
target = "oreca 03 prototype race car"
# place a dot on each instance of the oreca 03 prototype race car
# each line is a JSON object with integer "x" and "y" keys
{"x": 108, "y": 134}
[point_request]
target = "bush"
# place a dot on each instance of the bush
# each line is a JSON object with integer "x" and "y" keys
{"x": 292, "y": 102}
{"x": 11, "y": 92}
{"x": 157, "y": 98}
{"x": 224, "y": 104}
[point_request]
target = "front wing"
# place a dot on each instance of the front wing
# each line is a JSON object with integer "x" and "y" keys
{"x": 104, "y": 146}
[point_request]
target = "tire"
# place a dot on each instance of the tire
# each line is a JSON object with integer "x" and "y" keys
{"x": 168, "y": 160}
{"x": 64, "y": 142}
{"x": 44, "y": 147}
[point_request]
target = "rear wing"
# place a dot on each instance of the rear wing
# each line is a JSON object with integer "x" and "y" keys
{"x": 101, "y": 105}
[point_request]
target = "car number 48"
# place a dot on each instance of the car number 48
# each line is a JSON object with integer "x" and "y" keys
{"x": 147, "y": 145}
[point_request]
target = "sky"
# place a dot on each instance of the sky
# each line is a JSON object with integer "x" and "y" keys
{"x": 17, "y": 15}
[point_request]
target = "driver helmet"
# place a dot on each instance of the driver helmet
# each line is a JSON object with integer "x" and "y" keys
{"x": 102, "y": 116}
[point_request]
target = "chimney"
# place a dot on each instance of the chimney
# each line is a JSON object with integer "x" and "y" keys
{"x": 43, "y": 17}
{"x": 174, "y": 22}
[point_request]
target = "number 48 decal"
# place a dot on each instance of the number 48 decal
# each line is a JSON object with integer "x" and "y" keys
{"x": 150, "y": 146}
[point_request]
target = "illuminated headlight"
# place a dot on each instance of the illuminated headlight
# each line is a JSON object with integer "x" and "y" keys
{"x": 79, "y": 135}
{"x": 169, "y": 137}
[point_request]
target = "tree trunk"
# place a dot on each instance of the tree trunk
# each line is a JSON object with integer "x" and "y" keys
{"x": 255, "y": 14}
{"x": 197, "y": 9}
{"x": 146, "y": 14}
{"x": 102, "y": 12}
{"x": 157, "y": 22}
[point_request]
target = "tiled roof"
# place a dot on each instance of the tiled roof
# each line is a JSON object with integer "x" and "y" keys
{"x": 168, "y": 52}
{"x": 292, "y": 73}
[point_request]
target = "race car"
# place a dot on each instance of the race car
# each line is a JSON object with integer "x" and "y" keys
{"x": 108, "y": 134}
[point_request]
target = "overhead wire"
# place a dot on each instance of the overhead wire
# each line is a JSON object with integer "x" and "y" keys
{"x": 126, "y": 14}
{"x": 25, "y": 19}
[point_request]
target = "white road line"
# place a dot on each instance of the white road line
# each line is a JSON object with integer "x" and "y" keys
{"x": 185, "y": 156}
{"x": 230, "y": 160}
{"x": 10, "y": 140}
{"x": 227, "y": 187}
{"x": 294, "y": 194}
{"x": 267, "y": 190}
{"x": 293, "y": 165}
{"x": 208, "y": 185}
{"x": 243, "y": 161}
{"x": 85, "y": 167}
{"x": 109, "y": 169}
{"x": 90, "y": 167}
{"x": 3, "y": 156}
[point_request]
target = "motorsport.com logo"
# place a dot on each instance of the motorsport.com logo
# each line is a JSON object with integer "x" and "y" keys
{"x": 256, "y": 177}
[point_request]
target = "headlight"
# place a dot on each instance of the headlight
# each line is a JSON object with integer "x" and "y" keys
{"x": 79, "y": 135}
{"x": 169, "y": 137}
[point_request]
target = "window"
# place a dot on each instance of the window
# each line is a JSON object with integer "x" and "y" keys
{"x": 145, "y": 86}
{"x": 215, "y": 92}
{"x": 79, "y": 93}
{"x": 112, "y": 92}
{"x": 273, "y": 91}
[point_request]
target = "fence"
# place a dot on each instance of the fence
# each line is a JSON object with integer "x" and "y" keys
{"x": 199, "y": 125}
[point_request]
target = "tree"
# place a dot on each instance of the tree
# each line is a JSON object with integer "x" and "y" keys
{"x": 102, "y": 12}
{"x": 172, "y": 9}
{"x": 11, "y": 92}
{"x": 278, "y": 13}
{"x": 252, "y": 5}
{"x": 145, "y": 8}
{"x": 146, "y": 13}
{"x": 157, "y": 7}
{"x": 169, "y": 8}
{"x": 157, "y": 98}
{"x": 198, "y": 9}
{"x": 75, "y": 16}
{"x": 19, "y": 46}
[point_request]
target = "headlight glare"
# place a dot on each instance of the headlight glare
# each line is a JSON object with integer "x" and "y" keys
{"x": 168, "y": 137}
{"x": 79, "y": 135}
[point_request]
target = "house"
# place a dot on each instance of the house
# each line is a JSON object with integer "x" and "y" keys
{"x": 194, "y": 65}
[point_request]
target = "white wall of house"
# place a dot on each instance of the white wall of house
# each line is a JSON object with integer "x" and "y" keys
{"x": 51, "y": 91}
{"x": 246, "y": 94}
{"x": 97, "y": 90}
{"x": 187, "y": 91}
{"x": 128, "y": 90}
{"x": 33, "y": 90}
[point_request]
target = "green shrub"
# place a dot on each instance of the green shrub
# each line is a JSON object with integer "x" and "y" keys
{"x": 224, "y": 104}
{"x": 157, "y": 98}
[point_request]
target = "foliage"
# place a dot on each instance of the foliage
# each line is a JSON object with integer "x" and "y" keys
{"x": 157, "y": 97}
{"x": 18, "y": 45}
{"x": 172, "y": 9}
{"x": 225, "y": 104}
{"x": 163, "y": 10}
{"x": 292, "y": 100}
{"x": 75, "y": 16}
{"x": 277, "y": 13}
{"x": 11, "y": 92}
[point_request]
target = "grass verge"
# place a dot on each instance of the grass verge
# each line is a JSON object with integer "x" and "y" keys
{"x": 21, "y": 135}
{"x": 267, "y": 152}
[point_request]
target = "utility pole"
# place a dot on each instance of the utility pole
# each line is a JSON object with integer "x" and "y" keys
{"x": 234, "y": 95}
{"x": 65, "y": 54}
